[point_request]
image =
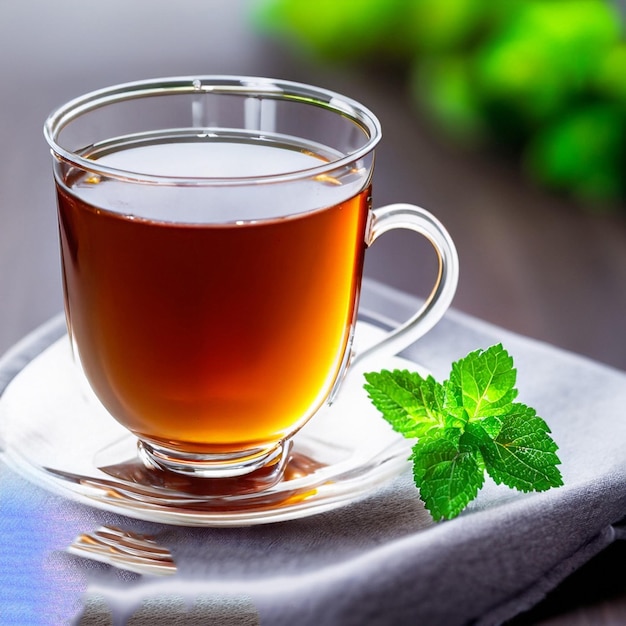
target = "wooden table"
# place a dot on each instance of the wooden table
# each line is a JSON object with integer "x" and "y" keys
{"x": 531, "y": 263}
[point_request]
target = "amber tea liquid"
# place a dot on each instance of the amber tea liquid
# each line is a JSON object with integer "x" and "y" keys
{"x": 195, "y": 326}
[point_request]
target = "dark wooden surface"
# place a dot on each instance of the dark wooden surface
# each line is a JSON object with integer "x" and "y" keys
{"x": 529, "y": 262}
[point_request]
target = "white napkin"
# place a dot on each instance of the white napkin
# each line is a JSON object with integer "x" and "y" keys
{"x": 380, "y": 560}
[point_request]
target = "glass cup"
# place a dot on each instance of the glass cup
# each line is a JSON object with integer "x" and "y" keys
{"x": 212, "y": 232}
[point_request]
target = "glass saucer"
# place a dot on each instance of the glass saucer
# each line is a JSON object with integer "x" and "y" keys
{"x": 56, "y": 434}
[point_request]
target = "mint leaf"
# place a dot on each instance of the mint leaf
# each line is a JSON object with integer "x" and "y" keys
{"x": 523, "y": 456}
{"x": 410, "y": 403}
{"x": 448, "y": 473}
{"x": 466, "y": 426}
{"x": 485, "y": 382}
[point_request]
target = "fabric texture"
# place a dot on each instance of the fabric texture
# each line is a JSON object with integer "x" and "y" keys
{"x": 379, "y": 561}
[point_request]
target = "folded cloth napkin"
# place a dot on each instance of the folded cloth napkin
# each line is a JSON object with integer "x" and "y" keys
{"x": 378, "y": 561}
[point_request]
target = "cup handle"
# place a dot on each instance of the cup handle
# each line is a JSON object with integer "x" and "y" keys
{"x": 415, "y": 218}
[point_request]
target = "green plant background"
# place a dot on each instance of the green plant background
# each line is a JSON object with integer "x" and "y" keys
{"x": 544, "y": 80}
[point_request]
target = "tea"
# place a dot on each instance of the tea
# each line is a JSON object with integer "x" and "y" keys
{"x": 205, "y": 329}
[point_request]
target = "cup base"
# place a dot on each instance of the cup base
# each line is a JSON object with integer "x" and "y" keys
{"x": 261, "y": 467}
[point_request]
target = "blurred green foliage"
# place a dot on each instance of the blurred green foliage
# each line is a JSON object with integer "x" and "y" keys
{"x": 544, "y": 78}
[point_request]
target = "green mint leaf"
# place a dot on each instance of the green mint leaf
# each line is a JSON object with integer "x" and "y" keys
{"x": 485, "y": 382}
{"x": 410, "y": 403}
{"x": 465, "y": 427}
{"x": 448, "y": 474}
{"x": 523, "y": 455}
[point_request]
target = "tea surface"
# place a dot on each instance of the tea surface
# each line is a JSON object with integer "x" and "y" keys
{"x": 195, "y": 335}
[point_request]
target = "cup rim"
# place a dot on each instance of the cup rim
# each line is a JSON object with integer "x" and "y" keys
{"x": 333, "y": 101}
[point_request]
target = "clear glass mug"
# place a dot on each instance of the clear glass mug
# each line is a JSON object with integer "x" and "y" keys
{"x": 213, "y": 231}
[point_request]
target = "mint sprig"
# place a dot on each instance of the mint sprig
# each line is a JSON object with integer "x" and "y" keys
{"x": 466, "y": 426}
